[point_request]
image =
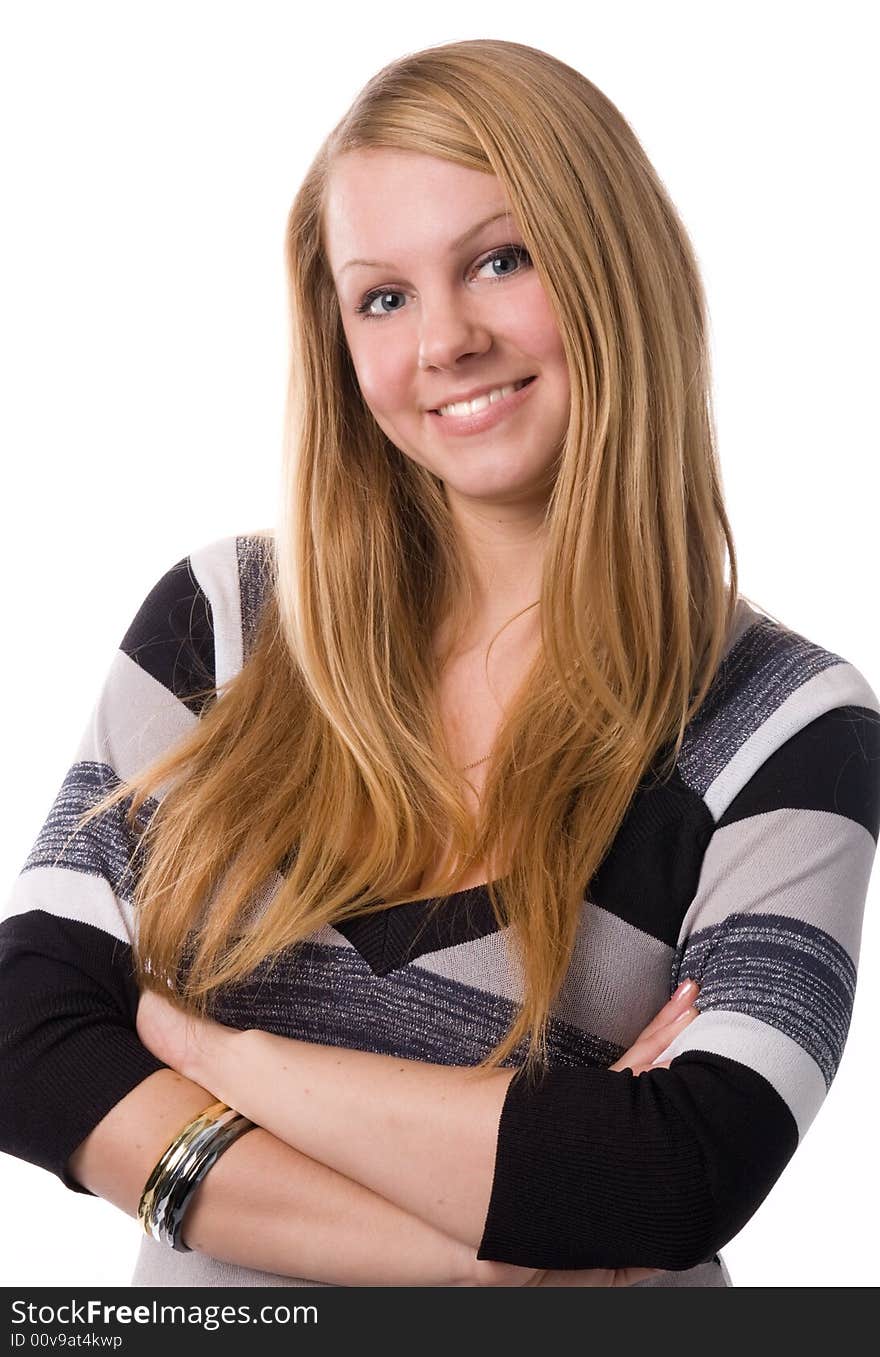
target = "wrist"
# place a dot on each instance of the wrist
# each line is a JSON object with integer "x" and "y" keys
{"x": 209, "y": 1056}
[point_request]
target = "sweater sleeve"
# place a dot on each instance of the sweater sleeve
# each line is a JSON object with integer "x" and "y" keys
{"x": 68, "y": 1046}
{"x": 603, "y": 1168}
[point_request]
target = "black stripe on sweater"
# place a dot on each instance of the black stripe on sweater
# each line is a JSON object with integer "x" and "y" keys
{"x": 172, "y": 636}
{"x": 610, "y": 1169}
{"x": 68, "y": 1044}
{"x": 832, "y": 764}
{"x": 650, "y": 873}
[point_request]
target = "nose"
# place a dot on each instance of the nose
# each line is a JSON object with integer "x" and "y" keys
{"x": 449, "y": 332}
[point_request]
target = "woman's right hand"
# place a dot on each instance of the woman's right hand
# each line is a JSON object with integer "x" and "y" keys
{"x": 674, "y": 1017}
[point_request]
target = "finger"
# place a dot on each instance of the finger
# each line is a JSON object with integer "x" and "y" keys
{"x": 646, "y": 1049}
{"x": 654, "y": 1065}
{"x": 683, "y": 997}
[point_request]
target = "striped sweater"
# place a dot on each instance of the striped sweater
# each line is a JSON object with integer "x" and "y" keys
{"x": 747, "y": 870}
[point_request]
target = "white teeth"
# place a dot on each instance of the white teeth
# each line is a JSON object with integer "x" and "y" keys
{"x": 481, "y": 402}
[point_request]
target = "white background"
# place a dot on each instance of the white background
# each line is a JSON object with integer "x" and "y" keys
{"x": 150, "y": 154}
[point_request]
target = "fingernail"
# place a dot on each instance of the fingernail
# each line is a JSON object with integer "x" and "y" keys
{"x": 688, "y": 1013}
{"x": 687, "y": 987}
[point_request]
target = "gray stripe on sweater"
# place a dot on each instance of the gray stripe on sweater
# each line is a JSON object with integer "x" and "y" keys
{"x": 105, "y": 847}
{"x": 408, "y": 1013}
{"x": 157, "y": 1265}
{"x": 215, "y": 568}
{"x": 815, "y": 886}
{"x": 838, "y": 685}
{"x": 765, "y": 668}
{"x": 72, "y": 895}
{"x": 618, "y": 977}
{"x": 792, "y": 1072}
{"x": 789, "y": 974}
{"x": 135, "y": 720}
{"x": 254, "y": 572}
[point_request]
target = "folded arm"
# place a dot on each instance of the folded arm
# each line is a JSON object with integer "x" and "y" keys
{"x": 422, "y": 1135}
{"x": 597, "y": 1167}
{"x": 264, "y": 1205}
{"x": 84, "y": 1099}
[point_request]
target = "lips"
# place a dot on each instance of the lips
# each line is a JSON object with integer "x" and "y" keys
{"x": 490, "y": 414}
{"x": 524, "y": 381}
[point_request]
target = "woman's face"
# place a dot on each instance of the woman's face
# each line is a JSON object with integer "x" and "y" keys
{"x": 447, "y": 310}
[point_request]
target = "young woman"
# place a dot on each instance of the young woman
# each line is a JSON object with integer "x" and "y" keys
{"x": 345, "y": 954}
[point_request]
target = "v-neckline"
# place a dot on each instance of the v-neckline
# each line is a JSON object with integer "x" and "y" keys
{"x": 481, "y": 887}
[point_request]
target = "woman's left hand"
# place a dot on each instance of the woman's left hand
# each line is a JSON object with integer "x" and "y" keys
{"x": 182, "y": 1040}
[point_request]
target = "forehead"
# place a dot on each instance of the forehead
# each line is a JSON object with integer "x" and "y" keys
{"x": 396, "y": 205}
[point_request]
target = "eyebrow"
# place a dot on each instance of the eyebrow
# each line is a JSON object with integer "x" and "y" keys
{"x": 456, "y": 245}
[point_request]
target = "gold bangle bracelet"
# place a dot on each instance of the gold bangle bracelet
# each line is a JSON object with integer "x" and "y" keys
{"x": 171, "y": 1156}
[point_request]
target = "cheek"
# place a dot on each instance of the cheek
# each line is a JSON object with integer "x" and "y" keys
{"x": 537, "y": 331}
{"x": 382, "y": 376}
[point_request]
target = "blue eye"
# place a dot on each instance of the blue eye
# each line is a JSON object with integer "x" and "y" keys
{"x": 518, "y": 253}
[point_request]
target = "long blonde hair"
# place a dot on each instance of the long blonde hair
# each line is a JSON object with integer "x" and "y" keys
{"x": 326, "y": 751}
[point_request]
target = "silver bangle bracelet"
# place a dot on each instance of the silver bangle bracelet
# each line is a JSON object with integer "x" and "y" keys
{"x": 185, "y": 1162}
{"x": 180, "y": 1164}
{"x": 173, "y": 1185}
{"x": 203, "y": 1158}
{"x": 169, "y": 1162}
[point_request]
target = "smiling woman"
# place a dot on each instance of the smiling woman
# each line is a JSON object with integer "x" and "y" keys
{"x": 457, "y": 332}
{"x": 444, "y": 1002}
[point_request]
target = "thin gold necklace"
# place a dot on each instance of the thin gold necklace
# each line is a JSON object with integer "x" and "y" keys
{"x": 475, "y": 762}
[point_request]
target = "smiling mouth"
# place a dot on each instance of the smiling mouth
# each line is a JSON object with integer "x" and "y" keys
{"x": 518, "y": 387}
